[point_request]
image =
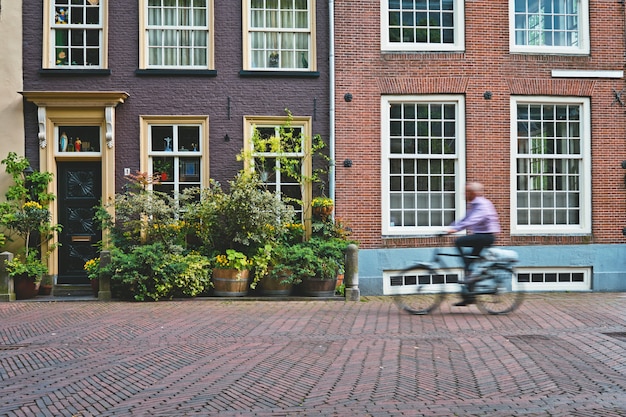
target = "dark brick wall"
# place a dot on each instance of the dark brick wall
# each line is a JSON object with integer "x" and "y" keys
{"x": 182, "y": 95}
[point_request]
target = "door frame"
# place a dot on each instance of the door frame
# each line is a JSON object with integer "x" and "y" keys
{"x": 80, "y": 107}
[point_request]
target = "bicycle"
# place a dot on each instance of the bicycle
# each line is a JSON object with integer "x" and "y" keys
{"x": 490, "y": 283}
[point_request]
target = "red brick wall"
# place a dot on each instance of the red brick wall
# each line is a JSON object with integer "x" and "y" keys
{"x": 486, "y": 65}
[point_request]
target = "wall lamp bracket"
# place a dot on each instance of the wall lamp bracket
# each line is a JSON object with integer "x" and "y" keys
{"x": 226, "y": 138}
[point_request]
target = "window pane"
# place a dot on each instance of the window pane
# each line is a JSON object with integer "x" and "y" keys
{"x": 542, "y": 173}
{"x": 421, "y": 22}
{"x": 425, "y": 174}
{"x": 178, "y": 34}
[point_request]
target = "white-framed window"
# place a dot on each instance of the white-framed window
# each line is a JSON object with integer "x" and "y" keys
{"x": 77, "y": 37}
{"x": 176, "y": 151}
{"x": 279, "y": 35}
{"x": 549, "y": 26}
{"x": 553, "y": 279}
{"x": 407, "y": 282}
{"x": 279, "y": 146}
{"x": 551, "y": 156}
{"x": 434, "y": 25}
{"x": 177, "y": 34}
{"x": 423, "y": 162}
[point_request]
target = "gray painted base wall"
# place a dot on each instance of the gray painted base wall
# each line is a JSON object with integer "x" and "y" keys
{"x": 608, "y": 263}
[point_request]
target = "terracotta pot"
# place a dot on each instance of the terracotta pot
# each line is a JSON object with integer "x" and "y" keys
{"x": 315, "y": 287}
{"x": 95, "y": 287}
{"x": 45, "y": 289}
{"x": 25, "y": 287}
{"x": 230, "y": 282}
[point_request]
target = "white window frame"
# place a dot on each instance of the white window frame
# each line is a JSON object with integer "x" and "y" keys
{"x": 584, "y": 226}
{"x": 207, "y": 28}
{"x": 386, "y": 156}
{"x": 459, "y": 32}
{"x": 280, "y": 48}
{"x": 410, "y": 287}
{"x": 583, "y": 34}
{"x": 584, "y": 285}
{"x": 202, "y": 152}
{"x": 51, "y": 58}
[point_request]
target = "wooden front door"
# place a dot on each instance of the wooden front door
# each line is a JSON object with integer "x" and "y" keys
{"x": 79, "y": 193}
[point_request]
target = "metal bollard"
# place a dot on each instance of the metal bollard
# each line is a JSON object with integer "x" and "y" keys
{"x": 104, "y": 293}
{"x": 352, "y": 273}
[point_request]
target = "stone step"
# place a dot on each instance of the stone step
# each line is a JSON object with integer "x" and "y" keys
{"x": 72, "y": 290}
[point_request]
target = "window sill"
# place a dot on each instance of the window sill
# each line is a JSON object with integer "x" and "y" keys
{"x": 286, "y": 74}
{"x": 158, "y": 72}
{"x": 74, "y": 72}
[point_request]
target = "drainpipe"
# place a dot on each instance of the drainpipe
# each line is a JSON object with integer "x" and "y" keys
{"x": 331, "y": 70}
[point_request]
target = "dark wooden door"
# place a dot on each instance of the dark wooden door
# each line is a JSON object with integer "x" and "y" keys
{"x": 79, "y": 193}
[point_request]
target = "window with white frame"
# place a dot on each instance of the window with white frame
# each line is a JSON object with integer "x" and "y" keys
{"x": 281, "y": 156}
{"x": 175, "y": 152}
{"x": 77, "y": 38}
{"x": 553, "y": 279}
{"x": 422, "y": 162}
{"x": 549, "y": 26}
{"x": 434, "y": 25}
{"x": 279, "y": 35}
{"x": 177, "y": 34}
{"x": 551, "y": 156}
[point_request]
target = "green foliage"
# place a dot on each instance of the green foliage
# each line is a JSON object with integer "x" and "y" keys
{"x": 244, "y": 219}
{"x": 232, "y": 260}
{"x": 25, "y": 217}
{"x": 145, "y": 217}
{"x": 151, "y": 273}
{"x": 282, "y": 149}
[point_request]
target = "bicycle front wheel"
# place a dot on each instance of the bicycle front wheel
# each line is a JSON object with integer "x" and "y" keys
{"x": 423, "y": 301}
{"x": 495, "y": 295}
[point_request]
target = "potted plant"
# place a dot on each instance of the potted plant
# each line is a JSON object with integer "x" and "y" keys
{"x": 230, "y": 274}
{"x": 26, "y": 221}
{"x": 92, "y": 267}
{"x": 162, "y": 168}
{"x": 322, "y": 207}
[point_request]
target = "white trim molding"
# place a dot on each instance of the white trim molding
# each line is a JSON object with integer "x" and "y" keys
{"x": 587, "y": 74}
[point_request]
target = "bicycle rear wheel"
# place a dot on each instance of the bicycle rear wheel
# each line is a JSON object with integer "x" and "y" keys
{"x": 495, "y": 295}
{"x": 423, "y": 301}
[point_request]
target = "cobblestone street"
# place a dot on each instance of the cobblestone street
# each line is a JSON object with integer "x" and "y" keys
{"x": 558, "y": 355}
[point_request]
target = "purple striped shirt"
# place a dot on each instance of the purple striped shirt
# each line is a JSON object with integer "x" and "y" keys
{"x": 481, "y": 217}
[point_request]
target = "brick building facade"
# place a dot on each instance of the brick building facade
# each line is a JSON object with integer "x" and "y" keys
{"x": 174, "y": 86}
{"x": 525, "y": 97}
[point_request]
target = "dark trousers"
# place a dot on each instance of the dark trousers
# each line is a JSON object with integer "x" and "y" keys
{"x": 477, "y": 242}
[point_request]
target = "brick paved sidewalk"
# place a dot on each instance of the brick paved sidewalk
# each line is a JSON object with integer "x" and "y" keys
{"x": 559, "y": 355}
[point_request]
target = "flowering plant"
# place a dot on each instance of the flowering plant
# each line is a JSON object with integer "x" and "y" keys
{"x": 92, "y": 267}
{"x": 233, "y": 260}
{"x": 25, "y": 218}
{"x": 319, "y": 202}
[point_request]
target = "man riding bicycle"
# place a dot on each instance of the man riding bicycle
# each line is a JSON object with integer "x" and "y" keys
{"x": 481, "y": 219}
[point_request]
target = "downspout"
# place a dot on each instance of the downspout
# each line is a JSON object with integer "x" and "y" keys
{"x": 331, "y": 124}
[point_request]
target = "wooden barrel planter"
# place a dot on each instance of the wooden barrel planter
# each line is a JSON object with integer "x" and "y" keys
{"x": 273, "y": 288}
{"x": 230, "y": 282}
{"x": 315, "y": 287}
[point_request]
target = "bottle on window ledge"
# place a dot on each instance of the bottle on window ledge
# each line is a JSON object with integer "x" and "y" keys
{"x": 63, "y": 142}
